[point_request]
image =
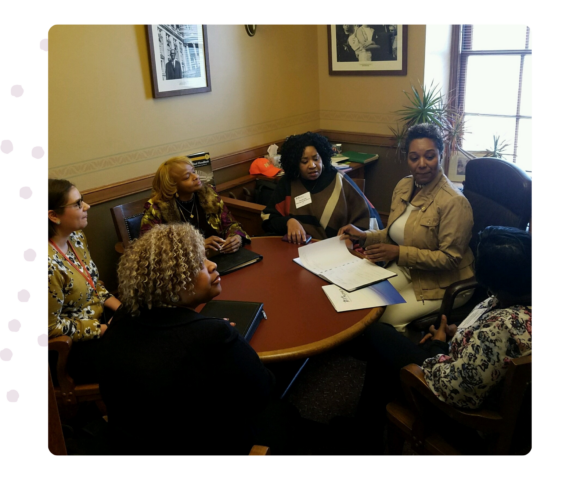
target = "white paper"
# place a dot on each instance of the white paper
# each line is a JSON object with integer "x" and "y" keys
{"x": 332, "y": 260}
{"x": 378, "y": 295}
{"x": 472, "y": 318}
{"x": 321, "y": 256}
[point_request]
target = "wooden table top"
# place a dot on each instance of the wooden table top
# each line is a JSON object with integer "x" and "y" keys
{"x": 301, "y": 320}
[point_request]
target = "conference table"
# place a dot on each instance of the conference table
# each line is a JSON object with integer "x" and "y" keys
{"x": 301, "y": 320}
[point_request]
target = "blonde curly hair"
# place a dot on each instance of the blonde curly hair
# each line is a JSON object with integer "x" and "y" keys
{"x": 159, "y": 265}
{"x": 164, "y": 185}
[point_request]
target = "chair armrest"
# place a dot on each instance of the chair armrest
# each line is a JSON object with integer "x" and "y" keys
{"x": 260, "y": 450}
{"x": 62, "y": 345}
{"x": 451, "y": 293}
{"x": 243, "y": 205}
{"x": 413, "y": 381}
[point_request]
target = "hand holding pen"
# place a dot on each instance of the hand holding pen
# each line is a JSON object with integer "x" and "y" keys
{"x": 350, "y": 232}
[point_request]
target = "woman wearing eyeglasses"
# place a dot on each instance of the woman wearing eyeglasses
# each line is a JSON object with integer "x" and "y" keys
{"x": 76, "y": 300}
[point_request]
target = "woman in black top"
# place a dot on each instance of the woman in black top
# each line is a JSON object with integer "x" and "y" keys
{"x": 176, "y": 382}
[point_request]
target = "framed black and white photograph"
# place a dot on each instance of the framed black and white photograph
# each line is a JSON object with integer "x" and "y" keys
{"x": 457, "y": 164}
{"x": 179, "y": 59}
{"x": 367, "y": 49}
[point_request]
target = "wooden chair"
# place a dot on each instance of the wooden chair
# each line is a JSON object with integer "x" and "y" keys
{"x": 260, "y": 450}
{"x": 419, "y": 421}
{"x": 127, "y": 220}
{"x": 56, "y": 444}
{"x": 68, "y": 394}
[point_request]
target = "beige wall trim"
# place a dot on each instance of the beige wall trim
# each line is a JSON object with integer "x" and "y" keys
{"x": 178, "y": 148}
{"x": 359, "y": 138}
{"x": 114, "y": 191}
{"x": 364, "y": 117}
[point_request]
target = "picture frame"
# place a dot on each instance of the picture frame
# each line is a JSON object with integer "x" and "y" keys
{"x": 187, "y": 71}
{"x": 367, "y": 49}
{"x": 457, "y": 163}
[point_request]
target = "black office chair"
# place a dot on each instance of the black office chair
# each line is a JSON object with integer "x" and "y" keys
{"x": 500, "y": 193}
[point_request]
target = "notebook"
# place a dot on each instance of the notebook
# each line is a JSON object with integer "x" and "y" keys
{"x": 246, "y": 315}
{"x": 359, "y": 157}
{"x": 230, "y": 262}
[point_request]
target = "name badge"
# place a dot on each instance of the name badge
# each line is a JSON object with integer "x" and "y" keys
{"x": 302, "y": 200}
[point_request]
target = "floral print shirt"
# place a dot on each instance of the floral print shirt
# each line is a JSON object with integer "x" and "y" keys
{"x": 480, "y": 354}
{"x": 74, "y": 307}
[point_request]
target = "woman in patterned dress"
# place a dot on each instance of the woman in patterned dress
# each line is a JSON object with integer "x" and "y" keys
{"x": 76, "y": 300}
{"x": 180, "y": 197}
{"x": 463, "y": 365}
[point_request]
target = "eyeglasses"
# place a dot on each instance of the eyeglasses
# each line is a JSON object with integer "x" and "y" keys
{"x": 78, "y": 204}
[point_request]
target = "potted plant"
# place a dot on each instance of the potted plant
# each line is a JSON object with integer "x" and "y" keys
{"x": 429, "y": 105}
{"x": 498, "y": 148}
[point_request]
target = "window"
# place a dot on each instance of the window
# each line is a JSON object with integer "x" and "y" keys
{"x": 494, "y": 90}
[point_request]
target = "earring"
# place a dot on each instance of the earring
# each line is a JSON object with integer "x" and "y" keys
{"x": 177, "y": 194}
{"x": 57, "y": 222}
{"x": 174, "y": 298}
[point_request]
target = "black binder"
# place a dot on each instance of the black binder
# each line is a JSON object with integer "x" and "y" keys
{"x": 230, "y": 262}
{"x": 246, "y": 315}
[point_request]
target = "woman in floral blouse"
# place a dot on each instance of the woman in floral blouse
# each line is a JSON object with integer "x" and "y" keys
{"x": 467, "y": 371}
{"x": 180, "y": 197}
{"x": 76, "y": 300}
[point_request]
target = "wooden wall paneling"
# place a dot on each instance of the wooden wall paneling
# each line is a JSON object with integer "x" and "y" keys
{"x": 106, "y": 193}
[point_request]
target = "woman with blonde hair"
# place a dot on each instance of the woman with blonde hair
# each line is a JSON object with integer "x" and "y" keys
{"x": 174, "y": 381}
{"x": 180, "y": 197}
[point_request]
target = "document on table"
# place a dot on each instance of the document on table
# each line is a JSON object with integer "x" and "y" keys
{"x": 378, "y": 295}
{"x": 331, "y": 260}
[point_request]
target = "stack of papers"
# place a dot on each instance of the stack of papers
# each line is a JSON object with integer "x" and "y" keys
{"x": 378, "y": 295}
{"x": 339, "y": 158}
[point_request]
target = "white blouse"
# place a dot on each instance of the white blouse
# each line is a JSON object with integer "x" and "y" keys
{"x": 397, "y": 229}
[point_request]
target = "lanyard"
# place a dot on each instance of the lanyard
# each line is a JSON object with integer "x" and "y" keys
{"x": 85, "y": 275}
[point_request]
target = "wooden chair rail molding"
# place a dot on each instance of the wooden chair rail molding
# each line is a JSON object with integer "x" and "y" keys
{"x": 106, "y": 193}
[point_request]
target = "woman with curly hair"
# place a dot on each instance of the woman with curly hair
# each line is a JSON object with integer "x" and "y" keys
{"x": 171, "y": 377}
{"x": 426, "y": 241}
{"x": 179, "y": 196}
{"x": 313, "y": 197}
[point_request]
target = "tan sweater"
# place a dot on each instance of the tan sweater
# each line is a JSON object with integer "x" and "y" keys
{"x": 436, "y": 247}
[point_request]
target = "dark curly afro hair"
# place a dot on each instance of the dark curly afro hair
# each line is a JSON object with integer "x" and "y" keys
{"x": 293, "y": 147}
{"x": 425, "y": 130}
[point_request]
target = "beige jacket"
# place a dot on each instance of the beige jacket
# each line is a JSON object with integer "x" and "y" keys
{"x": 436, "y": 246}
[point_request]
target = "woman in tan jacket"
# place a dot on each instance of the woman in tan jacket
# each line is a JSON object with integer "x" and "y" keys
{"x": 426, "y": 241}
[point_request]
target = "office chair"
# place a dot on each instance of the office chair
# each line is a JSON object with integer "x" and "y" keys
{"x": 500, "y": 193}
{"x": 434, "y": 427}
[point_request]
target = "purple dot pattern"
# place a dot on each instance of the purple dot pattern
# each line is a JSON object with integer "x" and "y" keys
{"x": 43, "y": 340}
{"x": 25, "y": 192}
{"x": 14, "y": 325}
{"x": 17, "y": 91}
{"x": 6, "y": 146}
{"x": 29, "y": 255}
{"x": 6, "y": 354}
{"x": 12, "y": 396}
{"x": 37, "y": 152}
{"x": 44, "y": 44}
{"x": 23, "y": 295}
